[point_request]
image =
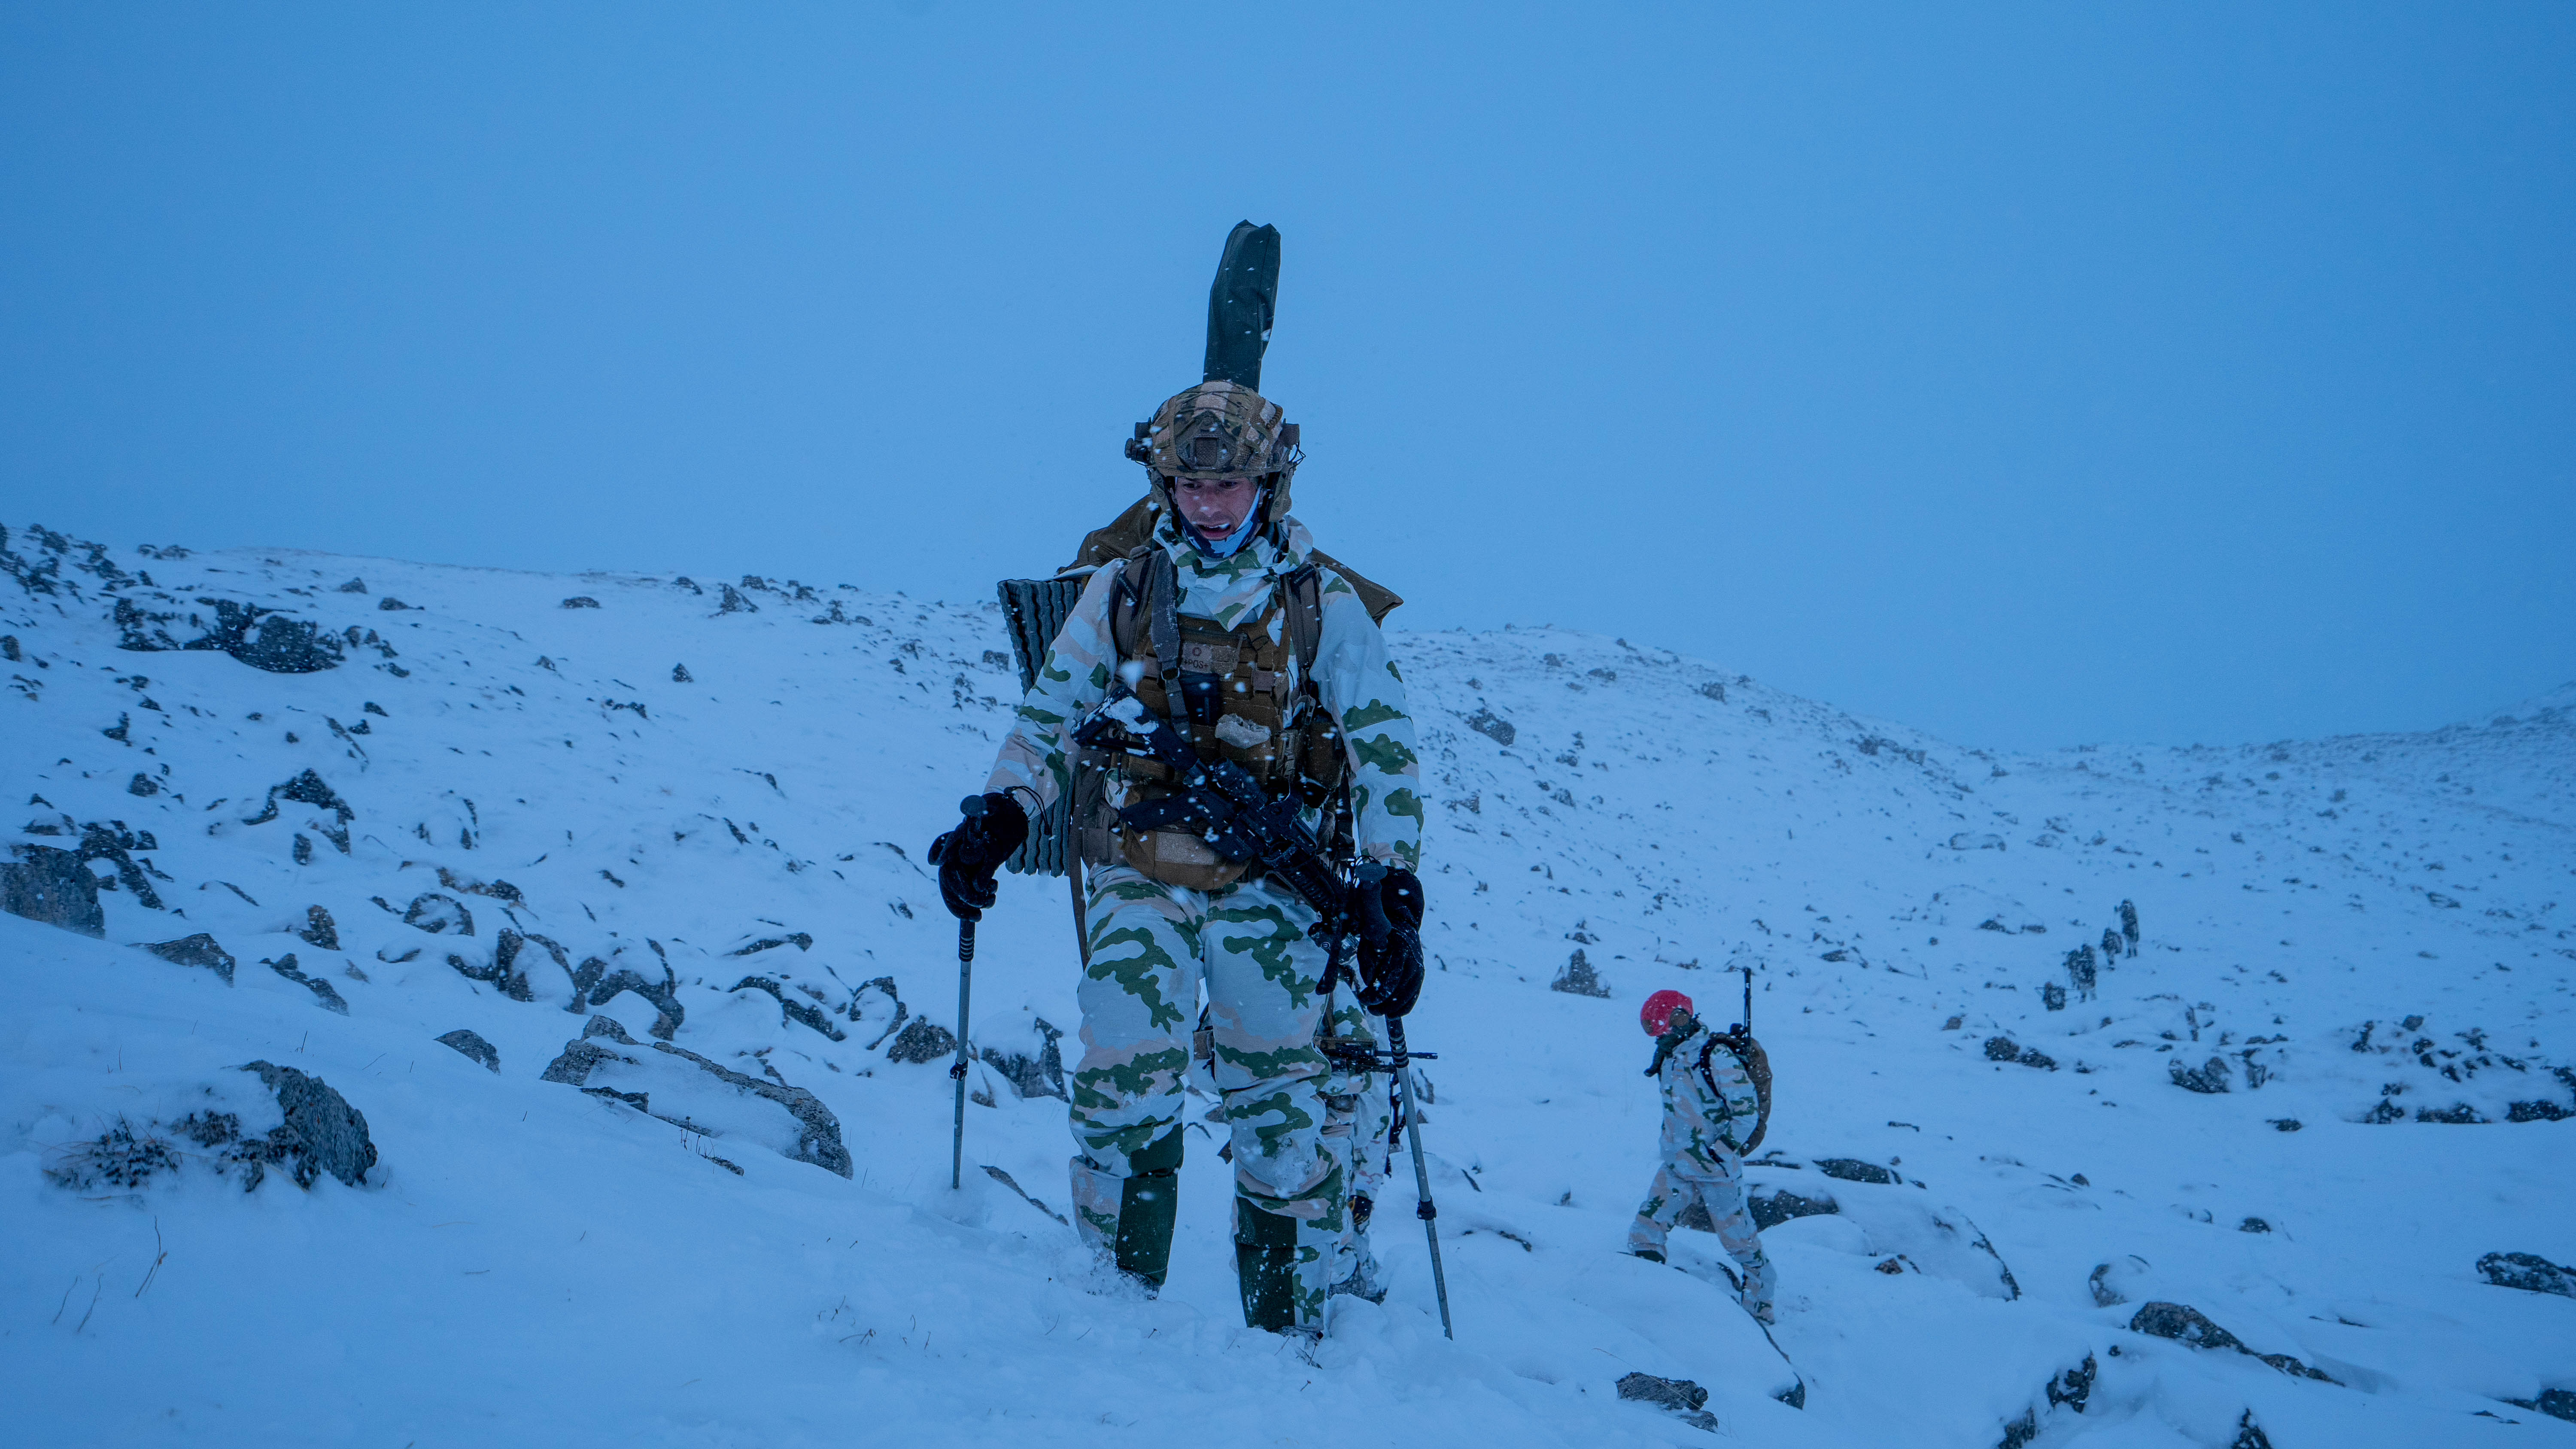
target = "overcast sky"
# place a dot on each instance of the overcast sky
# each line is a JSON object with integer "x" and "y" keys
{"x": 2030, "y": 375}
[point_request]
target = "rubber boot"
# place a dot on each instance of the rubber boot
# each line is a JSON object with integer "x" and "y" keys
{"x": 1148, "y": 1203}
{"x": 1265, "y": 1267}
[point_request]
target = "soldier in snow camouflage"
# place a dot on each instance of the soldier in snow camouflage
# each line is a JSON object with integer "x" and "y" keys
{"x": 1165, "y": 917}
{"x": 1710, "y": 1108}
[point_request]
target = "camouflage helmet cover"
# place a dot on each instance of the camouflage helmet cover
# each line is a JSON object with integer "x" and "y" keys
{"x": 1217, "y": 430}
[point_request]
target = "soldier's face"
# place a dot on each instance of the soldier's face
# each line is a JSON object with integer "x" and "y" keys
{"x": 1679, "y": 1021}
{"x": 1216, "y": 506}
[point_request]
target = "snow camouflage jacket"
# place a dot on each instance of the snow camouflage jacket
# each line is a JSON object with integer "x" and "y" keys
{"x": 1700, "y": 1125}
{"x": 1354, "y": 675}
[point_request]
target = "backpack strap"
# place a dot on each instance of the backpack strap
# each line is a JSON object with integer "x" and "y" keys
{"x": 1303, "y": 590}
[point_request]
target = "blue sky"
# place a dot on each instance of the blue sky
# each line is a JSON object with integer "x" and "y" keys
{"x": 2033, "y": 375}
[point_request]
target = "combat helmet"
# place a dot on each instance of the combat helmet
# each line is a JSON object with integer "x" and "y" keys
{"x": 1220, "y": 429}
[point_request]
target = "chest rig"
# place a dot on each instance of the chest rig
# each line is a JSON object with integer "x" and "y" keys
{"x": 1245, "y": 694}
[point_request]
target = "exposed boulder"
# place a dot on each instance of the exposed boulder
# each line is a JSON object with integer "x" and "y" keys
{"x": 2189, "y": 1326}
{"x": 473, "y": 1046}
{"x": 678, "y": 1086}
{"x": 1578, "y": 978}
{"x": 52, "y": 886}
{"x": 2209, "y": 1077}
{"x": 801, "y": 1012}
{"x": 1770, "y": 1209}
{"x": 319, "y": 930}
{"x": 923, "y": 1041}
{"x": 197, "y": 950}
{"x": 435, "y": 913}
{"x": 1032, "y": 1074}
{"x": 1681, "y": 1397}
{"x": 2529, "y": 1272}
{"x": 322, "y": 990}
{"x": 1852, "y": 1169}
{"x": 259, "y": 637}
{"x": 322, "y": 1132}
{"x": 1492, "y": 726}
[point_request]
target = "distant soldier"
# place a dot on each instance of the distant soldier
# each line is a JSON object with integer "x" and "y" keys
{"x": 1712, "y": 1117}
{"x": 2129, "y": 924}
{"x": 2080, "y": 969}
{"x": 2110, "y": 944}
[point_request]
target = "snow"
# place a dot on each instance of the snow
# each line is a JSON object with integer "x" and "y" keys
{"x": 2373, "y": 922}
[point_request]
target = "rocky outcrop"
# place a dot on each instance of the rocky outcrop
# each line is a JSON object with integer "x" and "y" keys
{"x": 473, "y": 1046}
{"x": 1770, "y": 1209}
{"x": 923, "y": 1041}
{"x": 1682, "y": 1398}
{"x": 680, "y": 1087}
{"x": 322, "y": 1132}
{"x": 803, "y": 1013}
{"x": 197, "y": 950}
{"x": 2193, "y": 1328}
{"x": 2529, "y": 1272}
{"x": 1578, "y": 978}
{"x": 322, "y": 990}
{"x": 52, "y": 886}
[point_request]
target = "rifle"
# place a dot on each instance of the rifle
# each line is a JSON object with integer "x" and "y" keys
{"x": 1220, "y": 802}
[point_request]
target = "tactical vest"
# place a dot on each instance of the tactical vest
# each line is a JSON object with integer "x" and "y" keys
{"x": 1245, "y": 694}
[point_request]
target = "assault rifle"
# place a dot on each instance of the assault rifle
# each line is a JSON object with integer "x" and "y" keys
{"x": 1220, "y": 802}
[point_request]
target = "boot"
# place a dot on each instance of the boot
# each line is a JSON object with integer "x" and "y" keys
{"x": 1265, "y": 1267}
{"x": 1148, "y": 1203}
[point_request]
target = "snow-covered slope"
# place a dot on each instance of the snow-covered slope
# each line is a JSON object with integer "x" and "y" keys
{"x": 574, "y": 816}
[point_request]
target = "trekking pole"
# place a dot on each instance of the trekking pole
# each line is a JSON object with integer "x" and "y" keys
{"x": 965, "y": 983}
{"x": 1426, "y": 1210}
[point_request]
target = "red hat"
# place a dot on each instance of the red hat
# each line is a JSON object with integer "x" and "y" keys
{"x": 1657, "y": 1014}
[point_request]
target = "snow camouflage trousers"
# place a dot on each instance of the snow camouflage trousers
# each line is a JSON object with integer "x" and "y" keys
{"x": 1152, "y": 946}
{"x": 1682, "y": 1181}
{"x": 1357, "y": 1121}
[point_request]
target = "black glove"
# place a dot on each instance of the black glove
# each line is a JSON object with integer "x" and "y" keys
{"x": 1387, "y": 905}
{"x": 993, "y": 827}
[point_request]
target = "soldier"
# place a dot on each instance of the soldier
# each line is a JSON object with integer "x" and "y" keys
{"x": 2129, "y": 925}
{"x": 1712, "y": 1116}
{"x": 1225, "y": 622}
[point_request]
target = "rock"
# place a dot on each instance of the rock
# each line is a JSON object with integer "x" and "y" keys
{"x": 802, "y": 1013}
{"x": 2074, "y": 1386}
{"x": 921, "y": 1042}
{"x": 877, "y": 1010}
{"x": 1578, "y": 978}
{"x": 432, "y": 912}
{"x": 197, "y": 950}
{"x": 473, "y": 1046}
{"x": 2185, "y": 1325}
{"x": 1770, "y": 1209}
{"x": 2254, "y": 1225}
{"x": 319, "y": 930}
{"x": 2191, "y": 1327}
{"x": 322, "y": 990}
{"x": 1852, "y": 1169}
{"x": 595, "y": 984}
{"x": 1976, "y": 840}
{"x": 54, "y": 887}
{"x": 143, "y": 785}
{"x": 680, "y": 674}
{"x": 816, "y": 1136}
{"x": 1492, "y": 726}
{"x": 2209, "y": 1077}
{"x": 1678, "y": 1396}
{"x": 261, "y": 638}
{"x": 581, "y": 601}
{"x": 1037, "y": 1074}
{"x": 503, "y": 971}
{"x": 2002, "y": 1049}
{"x": 2249, "y": 1435}
{"x": 353, "y": 586}
{"x": 2556, "y": 1403}
{"x": 322, "y": 1132}
{"x": 2052, "y": 996}
{"x": 2529, "y": 1272}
